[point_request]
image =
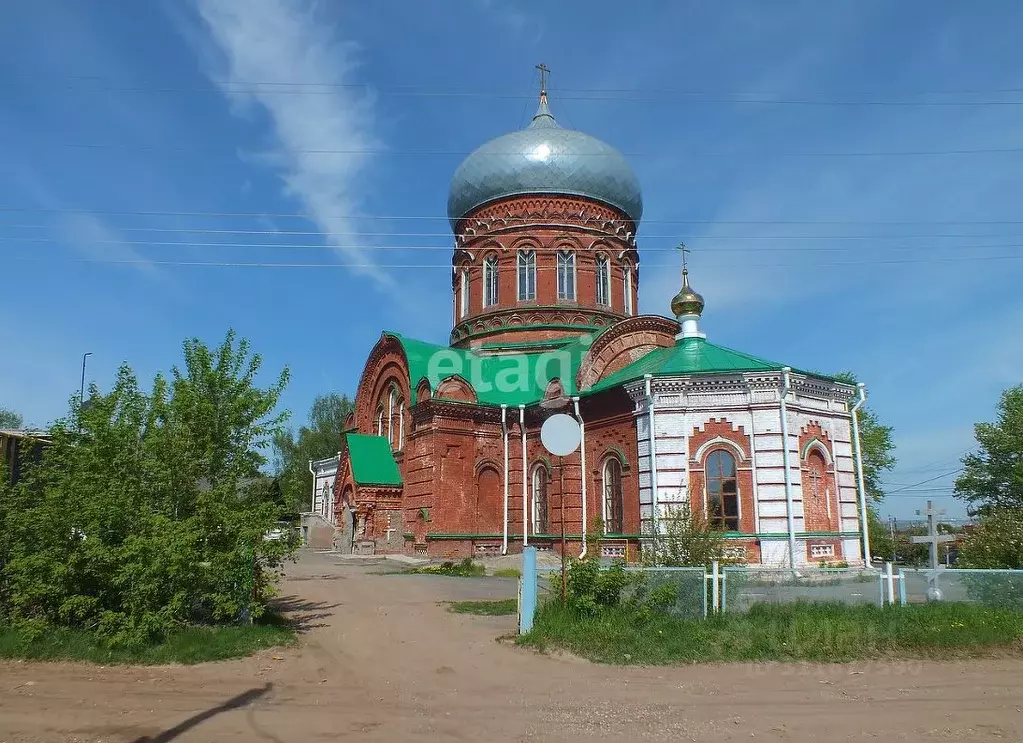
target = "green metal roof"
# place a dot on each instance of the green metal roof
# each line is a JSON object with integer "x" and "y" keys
{"x": 687, "y": 356}
{"x": 372, "y": 460}
{"x": 512, "y": 379}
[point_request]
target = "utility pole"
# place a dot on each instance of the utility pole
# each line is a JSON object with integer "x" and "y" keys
{"x": 81, "y": 391}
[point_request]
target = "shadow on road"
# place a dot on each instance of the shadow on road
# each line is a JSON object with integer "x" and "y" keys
{"x": 243, "y": 699}
{"x": 304, "y": 615}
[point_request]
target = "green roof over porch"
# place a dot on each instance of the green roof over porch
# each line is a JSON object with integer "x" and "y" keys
{"x": 372, "y": 460}
{"x": 689, "y": 356}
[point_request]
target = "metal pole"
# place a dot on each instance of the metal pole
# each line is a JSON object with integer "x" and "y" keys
{"x": 81, "y": 391}
{"x": 561, "y": 478}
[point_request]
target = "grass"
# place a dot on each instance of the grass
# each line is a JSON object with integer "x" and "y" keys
{"x": 791, "y": 632}
{"x": 508, "y": 573}
{"x": 188, "y": 646}
{"x": 464, "y": 569}
{"x": 498, "y": 608}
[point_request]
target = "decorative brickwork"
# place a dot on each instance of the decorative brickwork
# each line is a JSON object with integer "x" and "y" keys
{"x": 719, "y": 433}
{"x": 621, "y": 344}
{"x": 544, "y": 227}
{"x": 821, "y": 511}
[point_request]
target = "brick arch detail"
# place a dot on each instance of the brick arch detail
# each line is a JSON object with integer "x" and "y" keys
{"x": 387, "y": 362}
{"x": 621, "y": 344}
{"x": 720, "y": 433}
{"x": 819, "y": 516}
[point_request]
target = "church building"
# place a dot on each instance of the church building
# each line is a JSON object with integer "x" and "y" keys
{"x": 442, "y": 457}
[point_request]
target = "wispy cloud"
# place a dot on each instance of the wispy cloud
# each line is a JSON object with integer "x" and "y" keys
{"x": 266, "y": 41}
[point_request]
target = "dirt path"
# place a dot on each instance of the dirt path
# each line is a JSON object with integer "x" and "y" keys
{"x": 381, "y": 661}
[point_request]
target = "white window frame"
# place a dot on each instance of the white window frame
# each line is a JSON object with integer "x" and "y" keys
{"x": 628, "y": 290}
{"x": 525, "y": 264}
{"x": 380, "y": 421}
{"x": 392, "y": 398}
{"x": 603, "y": 273}
{"x": 706, "y": 482}
{"x": 401, "y": 424}
{"x": 463, "y": 293}
{"x": 566, "y": 279}
{"x": 604, "y": 471}
{"x": 490, "y": 281}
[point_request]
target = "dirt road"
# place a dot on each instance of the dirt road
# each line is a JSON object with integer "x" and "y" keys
{"x": 380, "y": 660}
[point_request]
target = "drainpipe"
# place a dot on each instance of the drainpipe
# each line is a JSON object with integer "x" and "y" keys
{"x": 582, "y": 465}
{"x": 860, "y": 399}
{"x": 785, "y": 388}
{"x": 504, "y": 433}
{"x": 525, "y": 502}
{"x": 653, "y": 455}
{"x": 312, "y": 505}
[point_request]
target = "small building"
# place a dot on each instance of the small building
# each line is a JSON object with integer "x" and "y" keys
{"x": 17, "y": 447}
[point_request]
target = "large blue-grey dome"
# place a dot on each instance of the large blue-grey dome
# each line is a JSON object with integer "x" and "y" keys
{"x": 544, "y": 158}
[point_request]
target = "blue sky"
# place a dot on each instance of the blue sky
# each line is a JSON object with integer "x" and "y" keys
{"x": 821, "y": 159}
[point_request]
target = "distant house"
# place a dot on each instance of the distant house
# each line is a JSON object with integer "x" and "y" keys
{"x": 318, "y": 523}
{"x": 19, "y": 447}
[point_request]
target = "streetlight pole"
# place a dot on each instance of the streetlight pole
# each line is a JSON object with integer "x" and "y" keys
{"x": 81, "y": 391}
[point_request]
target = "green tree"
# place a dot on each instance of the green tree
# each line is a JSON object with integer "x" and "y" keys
{"x": 144, "y": 513}
{"x": 686, "y": 540}
{"x": 9, "y": 419}
{"x": 320, "y": 438}
{"x": 876, "y": 440}
{"x": 992, "y": 478}
{"x": 992, "y": 483}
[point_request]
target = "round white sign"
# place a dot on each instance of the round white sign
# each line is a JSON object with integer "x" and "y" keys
{"x": 560, "y": 434}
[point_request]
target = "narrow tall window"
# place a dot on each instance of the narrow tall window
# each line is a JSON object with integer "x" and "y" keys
{"x": 490, "y": 281}
{"x": 566, "y": 276}
{"x": 380, "y": 421}
{"x": 391, "y": 399}
{"x": 463, "y": 292}
{"x": 628, "y": 290}
{"x": 540, "y": 524}
{"x": 401, "y": 425}
{"x": 722, "y": 491}
{"x": 613, "y": 496}
{"x": 603, "y": 280}
{"x": 527, "y": 275}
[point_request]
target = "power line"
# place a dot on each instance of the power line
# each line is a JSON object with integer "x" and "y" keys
{"x": 924, "y": 482}
{"x": 447, "y": 267}
{"x": 448, "y": 235}
{"x": 464, "y": 153}
{"x": 451, "y": 248}
{"x": 615, "y": 95}
{"x": 512, "y": 220}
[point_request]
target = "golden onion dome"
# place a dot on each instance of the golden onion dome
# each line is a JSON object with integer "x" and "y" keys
{"x": 687, "y": 301}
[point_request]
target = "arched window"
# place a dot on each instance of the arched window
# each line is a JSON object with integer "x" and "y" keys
{"x": 540, "y": 482}
{"x": 463, "y": 292}
{"x": 527, "y": 275}
{"x": 628, "y": 290}
{"x": 603, "y": 280}
{"x": 490, "y": 281}
{"x": 722, "y": 491}
{"x": 613, "y": 496}
{"x": 566, "y": 276}
{"x": 392, "y": 400}
{"x": 380, "y": 421}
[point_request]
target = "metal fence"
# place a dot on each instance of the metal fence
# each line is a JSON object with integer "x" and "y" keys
{"x": 744, "y": 587}
{"x": 990, "y": 587}
{"x": 697, "y": 592}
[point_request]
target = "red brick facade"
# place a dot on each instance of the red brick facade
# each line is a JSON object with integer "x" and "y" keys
{"x": 584, "y": 229}
{"x": 821, "y": 509}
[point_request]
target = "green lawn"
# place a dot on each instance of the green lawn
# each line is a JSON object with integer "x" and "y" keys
{"x": 500, "y": 607}
{"x": 792, "y": 632}
{"x": 188, "y": 646}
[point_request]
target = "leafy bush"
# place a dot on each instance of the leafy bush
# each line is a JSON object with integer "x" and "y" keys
{"x": 591, "y": 588}
{"x": 685, "y": 539}
{"x": 147, "y": 512}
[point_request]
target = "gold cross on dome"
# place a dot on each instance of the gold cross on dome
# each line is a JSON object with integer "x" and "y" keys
{"x": 681, "y": 248}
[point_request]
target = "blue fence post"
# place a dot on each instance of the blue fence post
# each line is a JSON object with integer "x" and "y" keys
{"x": 527, "y": 590}
{"x": 902, "y": 587}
